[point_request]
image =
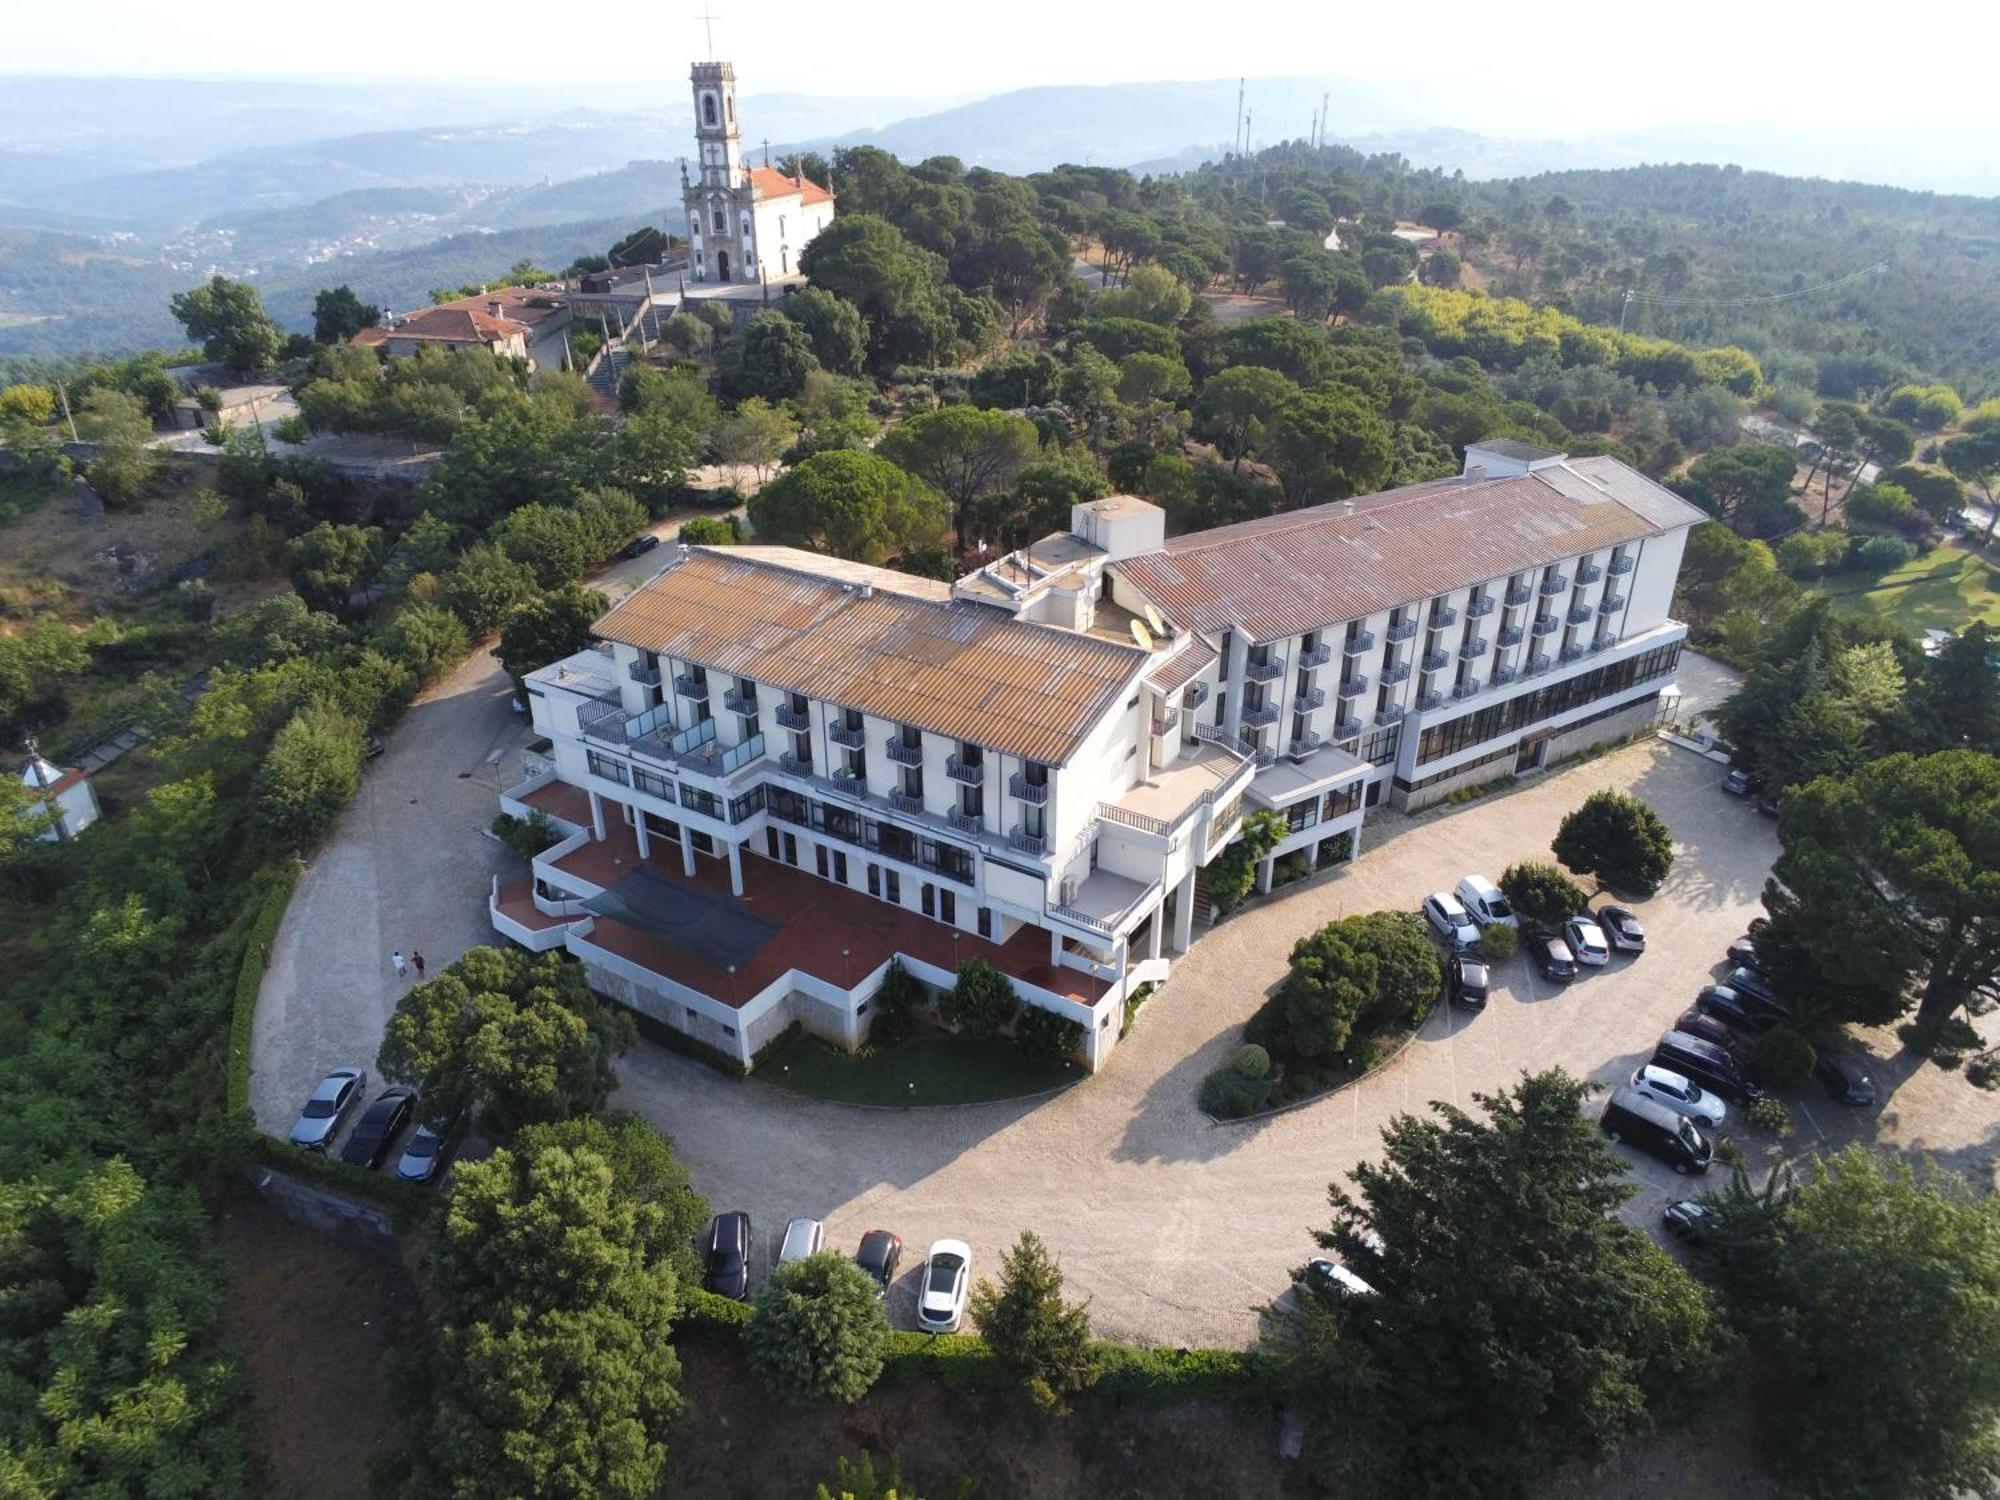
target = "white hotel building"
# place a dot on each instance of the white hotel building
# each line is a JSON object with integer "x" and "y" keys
{"x": 778, "y": 771}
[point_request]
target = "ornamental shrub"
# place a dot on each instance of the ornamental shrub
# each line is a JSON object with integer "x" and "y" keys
{"x": 1784, "y": 1059}
{"x": 1498, "y": 943}
{"x": 818, "y": 1331}
{"x": 1251, "y": 1060}
{"x": 982, "y": 1003}
{"x": 1048, "y": 1035}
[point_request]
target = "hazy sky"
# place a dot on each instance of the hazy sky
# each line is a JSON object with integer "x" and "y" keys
{"x": 1570, "y": 66}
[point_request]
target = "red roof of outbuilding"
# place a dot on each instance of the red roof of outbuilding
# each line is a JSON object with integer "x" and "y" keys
{"x": 445, "y": 325}
{"x": 769, "y": 182}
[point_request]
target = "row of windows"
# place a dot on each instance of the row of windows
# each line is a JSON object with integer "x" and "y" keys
{"x": 1545, "y": 703}
{"x": 693, "y": 798}
{"x": 1505, "y": 752}
{"x": 884, "y": 884}
{"x": 891, "y": 839}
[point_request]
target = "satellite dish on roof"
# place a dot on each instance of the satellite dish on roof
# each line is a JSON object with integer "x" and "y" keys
{"x": 1153, "y": 619}
{"x": 1142, "y": 635}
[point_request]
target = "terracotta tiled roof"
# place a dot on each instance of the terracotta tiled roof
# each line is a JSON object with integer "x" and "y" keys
{"x": 1310, "y": 569}
{"x": 961, "y": 670}
{"x": 445, "y": 325}
{"x": 769, "y": 182}
{"x": 526, "y": 305}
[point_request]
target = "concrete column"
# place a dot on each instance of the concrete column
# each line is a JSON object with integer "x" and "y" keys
{"x": 1153, "y": 925}
{"x": 639, "y": 831}
{"x": 1055, "y": 949}
{"x": 1184, "y": 914}
{"x": 596, "y": 815}
{"x": 1265, "y": 867}
{"x": 735, "y": 868}
{"x": 1354, "y": 847}
{"x": 687, "y": 851}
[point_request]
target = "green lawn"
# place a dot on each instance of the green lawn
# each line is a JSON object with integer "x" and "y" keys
{"x": 924, "y": 1070}
{"x": 1946, "y": 590}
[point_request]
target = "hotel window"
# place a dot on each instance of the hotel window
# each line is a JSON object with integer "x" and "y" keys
{"x": 913, "y": 782}
{"x": 1222, "y": 670}
{"x": 972, "y": 801}
{"x": 986, "y": 923}
{"x": 840, "y": 866}
{"x": 892, "y": 886}
{"x": 875, "y": 881}
{"x": 947, "y": 906}
{"x": 1034, "y": 823}
{"x": 819, "y": 860}
{"x": 771, "y": 842}
{"x": 929, "y": 899}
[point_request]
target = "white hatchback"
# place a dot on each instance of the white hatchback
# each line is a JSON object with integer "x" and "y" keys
{"x": 947, "y": 1279}
{"x": 1679, "y": 1093}
{"x": 803, "y": 1237}
{"x": 1587, "y": 941}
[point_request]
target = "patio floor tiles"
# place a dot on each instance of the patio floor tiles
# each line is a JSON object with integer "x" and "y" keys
{"x": 561, "y": 800}
{"x": 517, "y": 901}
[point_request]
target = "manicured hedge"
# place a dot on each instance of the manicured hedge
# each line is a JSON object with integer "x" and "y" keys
{"x": 249, "y": 979}
{"x": 409, "y": 1201}
{"x": 653, "y": 1029}
{"x": 704, "y": 1310}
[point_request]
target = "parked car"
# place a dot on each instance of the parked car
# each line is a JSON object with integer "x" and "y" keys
{"x": 1691, "y": 1220}
{"x": 1622, "y": 928}
{"x": 1485, "y": 903}
{"x": 379, "y": 1124}
{"x": 338, "y": 1092}
{"x": 1657, "y": 1130}
{"x": 1751, "y": 982}
{"x": 1743, "y": 953}
{"x": 1449, "y": 920}
{"x": 1468, "y": 981}
{"x": 424, "y": 1152}
{"x": 947, "y": 1274}
{"x": 1552, "y": 956}
{"x": 1846, "y": 1077}
{"x": 640, "y": 545}
{"x": 1706, "y": 1064}
{"x": 1768, "y": 806}
{"x": 1697, "y": 1022}
{"x": 880, "y": 1255}
{"x": 1679, "y": 1094}
{"x": 1738, "y": 783}
{"x": 1736, "y": 1008}
{"x": 803, "y": 1237}
{"x": 1329, "y": 1278}
{"x": 1587, "y": 941}
{"x": 726, "y": 1247}
{"x": 371, "y": 744}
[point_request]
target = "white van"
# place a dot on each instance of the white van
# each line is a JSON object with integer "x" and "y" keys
{"x": 1483, "y": 899}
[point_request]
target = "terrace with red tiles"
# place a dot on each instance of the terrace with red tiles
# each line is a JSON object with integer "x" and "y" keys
{"x": 836, "y": 935}
{"x": 561, "y": 800}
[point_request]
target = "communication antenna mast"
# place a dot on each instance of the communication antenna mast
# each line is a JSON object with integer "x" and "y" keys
{"x": 1236, "y": 141}
{"x": 1323, "y": 101}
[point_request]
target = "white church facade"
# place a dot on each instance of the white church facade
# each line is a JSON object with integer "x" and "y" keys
{"x": 745, "y": 224}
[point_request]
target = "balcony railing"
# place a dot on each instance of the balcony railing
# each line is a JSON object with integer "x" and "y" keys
{"x": 1436, "y": 659}
{"x": 1347, "y": 729}
{"x": 1354, "y": 686}
{"x": 1554, "y": 584}
{"x": 1311, "y": 699}
{"x": 1305, "y": 745}
{"x": 1270, "y": 669}
{"x": 690, "y": 686}
{"x": 846, "y": 779}
{"x": 1318, "y": 656}
{"x": 1401, "y": 631}
{"x": 1620, "y": 566}
{"x": 721, "y": 760}
{"x": 1464, "y": 690}
{"x": 1502, "y": 676}
{"x": 1195, "y": 695}
{"x": 640, "y": 672}
{"x": 1443, "y": 615}
{"x": 902, "y": 752}
{"x": 1575, "y": 651}
{"x": 1430, "y": 700}
{"x": 1589, "y": 572}
{"x": 971, "y": 772}
{"x": 1519, "y": 594}
{"x": 1395, "y": 672}
{"x": 1610, "y": 604}
{"x": 1539, "y": 664}
{"x": 1479, "y": 607}
{"x": 1265, "y": 713}
{"x": 1393, "y": 714}
{"x": 795, "y": 765}
{"x": 906, "y": 802}
{"x": 1361, "y": 640}
{"x": 1547, "y": 625}
{"x": 793, "y": 718}
{"x": 740, "y": 703}
{"x": 1036, "y": 792}
{"x": 1027, "y": 843}
{"x": 1578, "y": 613}
{"x": 1473, "y": 649}
{"x": 847, "y": 736}
{"x": 1510, "y": 635}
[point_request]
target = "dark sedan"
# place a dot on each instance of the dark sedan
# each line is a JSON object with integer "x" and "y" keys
{"x": 1846, "y": 1077}
{"x": 1552, "y": 956}
{"x": 1622, "y": 928}
{"x": 640, "y": 545}
{"x": 379, "y": 1124}
{"x": 725, "y": 1255}
{"x": 880, "y": 1255}
{"x": 1748, "y": 981}
{"x": 1468, "y": 981}
{"x": 1691, "y": 1220}
{"x": 1743, "y": 953}
{"x": 1698, "y": 1022}
{"x": 1735, "y": 1008}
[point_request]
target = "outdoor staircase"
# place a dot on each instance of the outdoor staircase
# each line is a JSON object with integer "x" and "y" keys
{"x": 1204, "y": 908}
{"x": 607, "y": 371}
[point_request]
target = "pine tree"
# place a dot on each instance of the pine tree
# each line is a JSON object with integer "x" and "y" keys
{"x": 1032, "y": 1330}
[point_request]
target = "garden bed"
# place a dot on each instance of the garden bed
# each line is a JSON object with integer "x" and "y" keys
{"x": 1299, "y": 1085}
{"x": 926, "y": 1070}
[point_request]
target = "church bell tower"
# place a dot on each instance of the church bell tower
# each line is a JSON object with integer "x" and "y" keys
{"x": 716, "y": 137}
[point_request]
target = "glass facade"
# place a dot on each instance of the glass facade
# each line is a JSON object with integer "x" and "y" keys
{"x": 1545, "y": 703}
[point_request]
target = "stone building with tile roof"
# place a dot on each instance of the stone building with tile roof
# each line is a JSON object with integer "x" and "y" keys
{"x": 745, "y": 224}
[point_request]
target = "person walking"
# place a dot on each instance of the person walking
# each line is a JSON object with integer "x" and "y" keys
{"x": 417, "y": 962}
{"x": 396, "y": 962}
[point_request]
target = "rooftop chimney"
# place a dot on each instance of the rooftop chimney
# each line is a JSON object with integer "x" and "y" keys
{"x": 496, "y": 307}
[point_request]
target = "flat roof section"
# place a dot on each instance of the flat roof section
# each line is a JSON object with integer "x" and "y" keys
{"x": 1175, "y": 790}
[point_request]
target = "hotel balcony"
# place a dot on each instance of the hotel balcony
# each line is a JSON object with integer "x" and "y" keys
{"x": 1354, "y": 686}
{"x": 1195, "y": 695}
{"x": 1466, "y": 690}
{"x": 1395, "y": 672}
{"x": 1393, "y": 714}
{"x": 1547, "y": 625}
{"x": 1443, "y": 615}
{"x": 1539, "y": 664}
{"x": 740, "y": 703}
{"x": 1610, "y": 604}
{"x": 689, "y": 686}
{"x": 1620, "y": 566}
{"x": 797, "y": 719}
{"x": 1575, "y": 651}
{"x": 1401, "y": 632}
{"x": 905, "y": 802}
{"x": 1027, "y": 843}
{"x": 1266, "y": 713}
{"x": 717, "y": 759}
{"x": 1480, "y": 607}
{"x": 903, "y": 753}
{"x": 1036, "y": 792}
{"x": 1319, "y": 656}
{"x": 1347, "y": 729}
{"x": 1361, "y": 640}
{"x": 642, "y": 673}
{"x": 795, "y": 765}
{"x": 1436, "y": 659}
{"x": 1270, "y": 669}
{"x": 1473, "y": 649}
{"x": 1510, "y": 635}
{"x": 1311, "y": 699}
{"x": 847, "y": 736}
{"x": 1554, "y": 584}
{"x": 1519, "y": 594}
{"x": 1299, "y": 749}
{"x": 966, "y": 822}
{"x": 1578, "y": 613}
{"x": 1428, "y": 701}
{"x": 1589, "y": 572}
{"x": 971, "y": 772}
{"x": 1502, "y": 676}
